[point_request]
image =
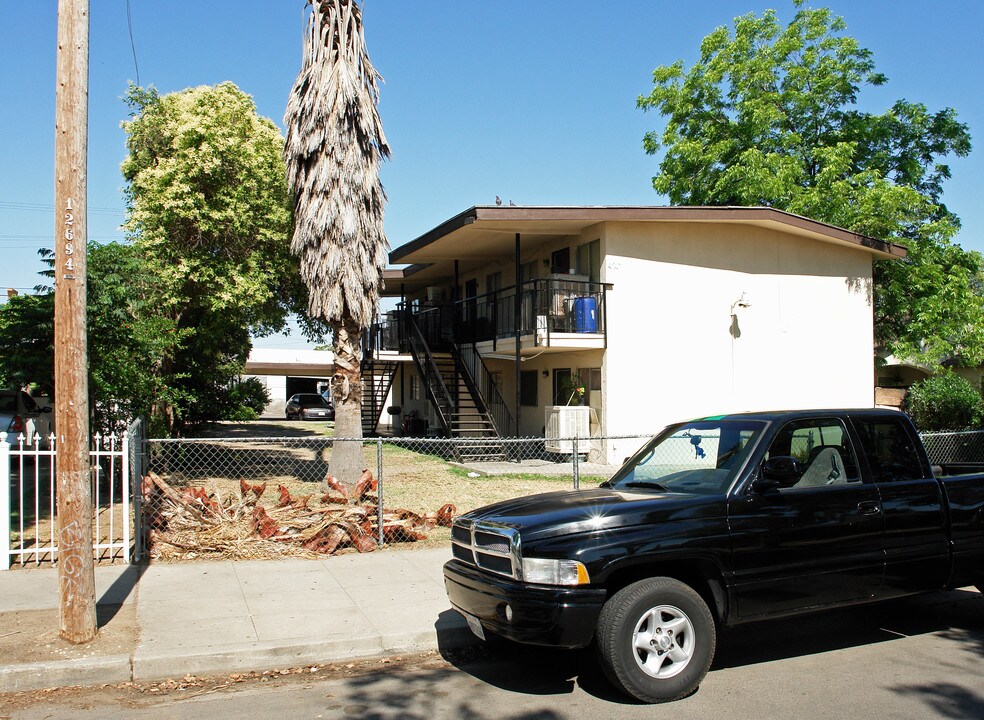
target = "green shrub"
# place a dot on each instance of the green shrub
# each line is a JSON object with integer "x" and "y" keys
{"x": 247, "y": 398}
{"x": 945, "y": 402}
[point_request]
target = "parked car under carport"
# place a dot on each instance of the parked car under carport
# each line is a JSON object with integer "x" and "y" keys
{"x": 309, "y": 406}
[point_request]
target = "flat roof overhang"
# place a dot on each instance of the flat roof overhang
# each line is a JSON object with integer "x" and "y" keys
{"x": 292, "y": 369}
{"x": 486, "y": 233}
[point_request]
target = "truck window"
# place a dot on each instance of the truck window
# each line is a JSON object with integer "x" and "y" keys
{"x": 890, "y": 450}
{"x": 822, "y": 449}
{"x": 699, "y": 457}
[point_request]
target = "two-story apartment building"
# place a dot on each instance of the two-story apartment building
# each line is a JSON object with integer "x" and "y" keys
{"x": 642, "y": 315}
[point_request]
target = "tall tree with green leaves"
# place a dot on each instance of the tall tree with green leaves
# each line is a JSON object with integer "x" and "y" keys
{"x": 125, "y": 338}
{"x": 335, "y": 145}
{"x": 210, "y": 217}
{"x": 768, "y": 116}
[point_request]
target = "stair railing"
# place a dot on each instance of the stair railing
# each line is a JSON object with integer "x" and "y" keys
{"x": 480, "y": 381}
{"x": 437, "y": 390}
{"x": 377, "y": 391}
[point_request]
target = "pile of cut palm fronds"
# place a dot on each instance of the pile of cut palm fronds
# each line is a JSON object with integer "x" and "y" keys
{"x": 191, "y": 522}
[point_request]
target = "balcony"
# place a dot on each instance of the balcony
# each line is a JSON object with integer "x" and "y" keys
{"x": 556, "y": 313}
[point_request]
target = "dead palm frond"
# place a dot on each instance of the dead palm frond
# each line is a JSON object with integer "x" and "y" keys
{"x": 334, "y": 148}
{"x": 335, "y": 145}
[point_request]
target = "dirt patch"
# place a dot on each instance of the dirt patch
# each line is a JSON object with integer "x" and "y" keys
{"x": 28, "y": 636}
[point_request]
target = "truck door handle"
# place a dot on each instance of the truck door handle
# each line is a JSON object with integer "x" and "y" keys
{"x": 869, "y": 507}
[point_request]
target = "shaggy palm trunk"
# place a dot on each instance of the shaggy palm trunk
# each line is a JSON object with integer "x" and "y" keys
{"x": 334, "y": 146}
{"x": 347, "y": 459}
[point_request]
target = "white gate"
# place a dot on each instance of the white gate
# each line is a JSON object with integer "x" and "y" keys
{"x": 28, "y": 523}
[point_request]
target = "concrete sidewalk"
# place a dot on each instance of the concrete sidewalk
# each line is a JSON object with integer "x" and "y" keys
{"x": 221, "y": 617}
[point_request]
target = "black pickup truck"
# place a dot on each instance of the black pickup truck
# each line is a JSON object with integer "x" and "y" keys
{"x": 715, "y": 522}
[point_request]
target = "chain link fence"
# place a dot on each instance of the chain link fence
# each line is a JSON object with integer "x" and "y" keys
{"x": 955, "y": 451}
{"x": 246, "y": 497}
{"x": 260, "y": 496}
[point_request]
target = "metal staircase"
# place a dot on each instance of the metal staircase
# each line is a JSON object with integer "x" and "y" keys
{"x": 377, "y": 379}
{"x": 460, "y": 407}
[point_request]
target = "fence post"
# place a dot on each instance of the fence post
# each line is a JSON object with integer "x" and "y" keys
{"x": 4, "y": 505}
{"x": 125, "y": 488}
{"x": 136, "y": 487}
{"x": 379, "y": 488}
{"x": 577, "y": 474}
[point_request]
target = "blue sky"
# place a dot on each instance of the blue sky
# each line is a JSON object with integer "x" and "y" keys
{"x": 531, "y": 100}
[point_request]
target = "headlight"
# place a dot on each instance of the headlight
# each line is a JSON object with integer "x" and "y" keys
{"x": 554, "y": 572}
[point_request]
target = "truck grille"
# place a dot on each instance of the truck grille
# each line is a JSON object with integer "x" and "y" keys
{"x": 487, "y": 546}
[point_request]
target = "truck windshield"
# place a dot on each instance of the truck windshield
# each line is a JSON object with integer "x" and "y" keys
{"x": 698, "y": 457}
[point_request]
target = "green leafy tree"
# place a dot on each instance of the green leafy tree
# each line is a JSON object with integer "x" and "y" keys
{"x": 210, "y": 216}
{"x": 27, "y": 334}
{"x": 335, "y": 146}
{"x": 945, "y": 402}
{"x": 767, "y": 116}
{"x": 124, "y": 339}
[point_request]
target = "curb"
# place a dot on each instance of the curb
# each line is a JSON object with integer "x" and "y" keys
{"x": 270, "y": 656}
{"x": 112, "y": 669}
{"x": 65, "y": 673}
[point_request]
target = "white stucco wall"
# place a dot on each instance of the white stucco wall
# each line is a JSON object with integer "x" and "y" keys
{"x": 804, "y": 339}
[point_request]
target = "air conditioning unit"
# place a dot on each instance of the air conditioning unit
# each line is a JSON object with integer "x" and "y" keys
{"x": 565, "y": 422}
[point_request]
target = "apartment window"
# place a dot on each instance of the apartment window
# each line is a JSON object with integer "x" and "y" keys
{"x": 528, "y": 271}
{"x": 527, "y": 387}
{"x": 591, "y": 377}
{"x": 415, "y": 387}
{"x": 563, "y": 387}
{"x": 493, "y": 282}
{"x": 589, "y": 260}
{"x": 560, "y": 261}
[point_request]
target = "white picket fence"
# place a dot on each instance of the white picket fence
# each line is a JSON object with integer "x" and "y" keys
{"x": 28, "y": 521}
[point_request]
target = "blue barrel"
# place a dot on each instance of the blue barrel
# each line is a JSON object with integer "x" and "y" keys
{"x": 585, "y": 315}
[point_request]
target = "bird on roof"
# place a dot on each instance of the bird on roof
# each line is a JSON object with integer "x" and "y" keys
{"x": 512, "y": 204}
{"x": 498, "y": 200}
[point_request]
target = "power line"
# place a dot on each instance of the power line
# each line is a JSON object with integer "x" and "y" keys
{"x": 44, "y": 207}
{"x": 50, "y": 236}
{"x": 133, "y": 47}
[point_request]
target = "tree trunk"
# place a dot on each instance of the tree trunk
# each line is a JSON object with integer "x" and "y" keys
{"x": 347, "y": 458}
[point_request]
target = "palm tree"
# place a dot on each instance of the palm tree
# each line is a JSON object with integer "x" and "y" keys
{"x": 334, "y": 148}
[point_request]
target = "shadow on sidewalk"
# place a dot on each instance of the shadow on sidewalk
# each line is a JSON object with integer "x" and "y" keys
{"x": 110, "y": 602}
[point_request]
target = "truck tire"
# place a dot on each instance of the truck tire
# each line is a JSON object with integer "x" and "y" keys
{"x": 656, "y": 639}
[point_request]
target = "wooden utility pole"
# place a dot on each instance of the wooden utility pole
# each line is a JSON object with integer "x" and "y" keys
{"x": 76, "y": 575}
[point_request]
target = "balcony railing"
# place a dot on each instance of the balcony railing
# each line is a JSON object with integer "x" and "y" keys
{"x": 546, "y": 307}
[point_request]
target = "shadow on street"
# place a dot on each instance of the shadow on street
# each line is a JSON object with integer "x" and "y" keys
{"x": 957, "y": 616}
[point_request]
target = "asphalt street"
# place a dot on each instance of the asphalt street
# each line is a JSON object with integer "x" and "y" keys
{"x": 915, "y": 658}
